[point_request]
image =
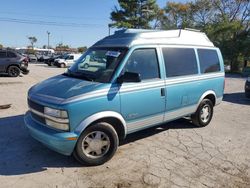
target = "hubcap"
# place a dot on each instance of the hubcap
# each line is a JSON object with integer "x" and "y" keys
{"x": 96, "y": 144}
{"x": 14, "y": 71}
{"x": 205, "y": 113}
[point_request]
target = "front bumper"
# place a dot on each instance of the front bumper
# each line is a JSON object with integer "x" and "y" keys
{"x": 24, "y": 69}
{"x": 56, "y": 63}
{"x": 60, "y": 142}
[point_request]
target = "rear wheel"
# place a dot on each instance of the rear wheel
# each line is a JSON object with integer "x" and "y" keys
{"x": 13, "y": 71}
{"x": 97, "y": 144}
{"x": 203, "y": 114}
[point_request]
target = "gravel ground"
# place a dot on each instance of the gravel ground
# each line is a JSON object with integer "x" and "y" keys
{"x": 177, "y": 154}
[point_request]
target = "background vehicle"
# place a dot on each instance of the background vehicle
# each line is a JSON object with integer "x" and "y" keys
{"x": 50, "y": 61}
{"x": 13, "y": 63}
{"x": 32, "y": 58}
{"x": 247, "y": 87}
{"x": 67, "y": 61}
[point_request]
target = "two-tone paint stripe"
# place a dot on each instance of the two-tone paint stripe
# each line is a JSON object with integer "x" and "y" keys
{"x": 131, "y": 87}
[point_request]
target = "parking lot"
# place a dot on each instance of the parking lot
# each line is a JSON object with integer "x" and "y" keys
{"x": 176, "y": 154}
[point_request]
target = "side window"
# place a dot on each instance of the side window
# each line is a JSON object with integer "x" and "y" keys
{"x": 209, "y": 61}
{"x": 71, "y": 57}
{"x": 11, "y": 54}
{"x": 144, "y": 62}
{"x": 180, "y": 61}
{"x": 3, "y": 54}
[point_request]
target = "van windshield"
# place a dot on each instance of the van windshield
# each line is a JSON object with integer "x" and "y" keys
{"x": 97, "y": 64}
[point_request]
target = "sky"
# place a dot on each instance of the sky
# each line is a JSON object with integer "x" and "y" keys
{"x": 78, "y": 22}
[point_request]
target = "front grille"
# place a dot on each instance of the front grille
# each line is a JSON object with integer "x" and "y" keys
{"x": 35, "y": 106}
{"x": 38, "y": 118}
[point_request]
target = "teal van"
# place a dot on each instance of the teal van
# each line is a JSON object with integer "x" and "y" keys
{"x": 126, "y": 82}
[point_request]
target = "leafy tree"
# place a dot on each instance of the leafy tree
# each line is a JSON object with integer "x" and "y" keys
{"x": 134, "y": 13}
{"x": 82, "y": 49}
{"x": 226, "y": 22}
{"x": 32, "y": 40}
{"x": 228, "y": 28}
{"x": 179, "y": 15}
{"x": 62, "y": 46}
{"x": 1, "y": 46}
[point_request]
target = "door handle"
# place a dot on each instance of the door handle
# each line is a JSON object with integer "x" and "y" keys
{"x": 163, "y": 93}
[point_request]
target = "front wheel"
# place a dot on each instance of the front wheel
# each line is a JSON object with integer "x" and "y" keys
{"x": 97, "y": 144}
{"x": 62, "y": 65}
{"x": 203, "y": 114}
{"x": 13, "y": 71}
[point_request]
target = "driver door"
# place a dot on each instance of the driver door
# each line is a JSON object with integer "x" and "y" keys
{"x": 143, "y": 103}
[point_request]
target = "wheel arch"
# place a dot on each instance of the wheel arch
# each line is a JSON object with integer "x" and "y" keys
{"x": 17, "y": 65}
{"x": 111, "y": 117}
{"x": 210, "y": 94}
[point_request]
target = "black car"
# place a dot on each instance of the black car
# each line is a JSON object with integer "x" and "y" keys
{"x": 13, "y": 63}
{"x": 50, "y": 61}
{"x": 247, "y": 87}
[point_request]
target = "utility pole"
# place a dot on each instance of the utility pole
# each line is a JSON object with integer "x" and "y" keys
{"x": 48, "y": 39}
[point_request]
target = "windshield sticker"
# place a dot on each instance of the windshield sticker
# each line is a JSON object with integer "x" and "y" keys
{"x": 113, "y": 53}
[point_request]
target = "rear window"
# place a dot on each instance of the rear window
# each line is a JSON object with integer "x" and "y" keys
{"x": 209, "y": 61}
{"x": 180, "y": 61}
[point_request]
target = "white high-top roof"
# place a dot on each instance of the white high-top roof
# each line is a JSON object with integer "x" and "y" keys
{"x": 132, "y": 37}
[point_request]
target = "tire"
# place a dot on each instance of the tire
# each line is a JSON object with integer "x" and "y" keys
{"x": 203, "y": 114}
{"x": 96, "y": 145}
{"x": 62, "y": 65}
{"x": 13, "y": 71}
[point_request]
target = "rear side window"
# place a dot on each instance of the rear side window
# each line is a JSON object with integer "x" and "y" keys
{"x": 180, "y": 61}
{"x": 11, "y": 54}
{"x": 209, "y": 61}
{"x": 143, "y": 62}
{"x": 3, "y": 54}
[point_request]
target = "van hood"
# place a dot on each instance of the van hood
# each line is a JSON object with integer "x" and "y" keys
{"x": 62, "y": 87}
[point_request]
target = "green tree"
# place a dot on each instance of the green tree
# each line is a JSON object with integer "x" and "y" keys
{"x": 134, "y": 13}
{"x": 179, "y": 15}
{"x": 1, "y": 46}
{"x": 32, "y": 40}
{"x": 226, "y": 22}
{"x": 62, "y": 46}
{"x": 228, "y": 28}
{"x": 82, "y": 49}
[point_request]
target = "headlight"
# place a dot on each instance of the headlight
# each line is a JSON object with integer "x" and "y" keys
{"x": 56, "y": 125}
{"x": 57, "y": 119}
{"x": 55, "y": 113}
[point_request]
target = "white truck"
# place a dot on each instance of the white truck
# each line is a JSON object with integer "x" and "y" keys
{"x": 68, "y": 61}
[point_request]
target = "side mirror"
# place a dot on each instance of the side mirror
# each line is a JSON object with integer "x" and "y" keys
{"x": 129, "y": 77}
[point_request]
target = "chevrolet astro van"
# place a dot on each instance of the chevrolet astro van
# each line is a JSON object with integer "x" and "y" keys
{"x": 134, "y": 79}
